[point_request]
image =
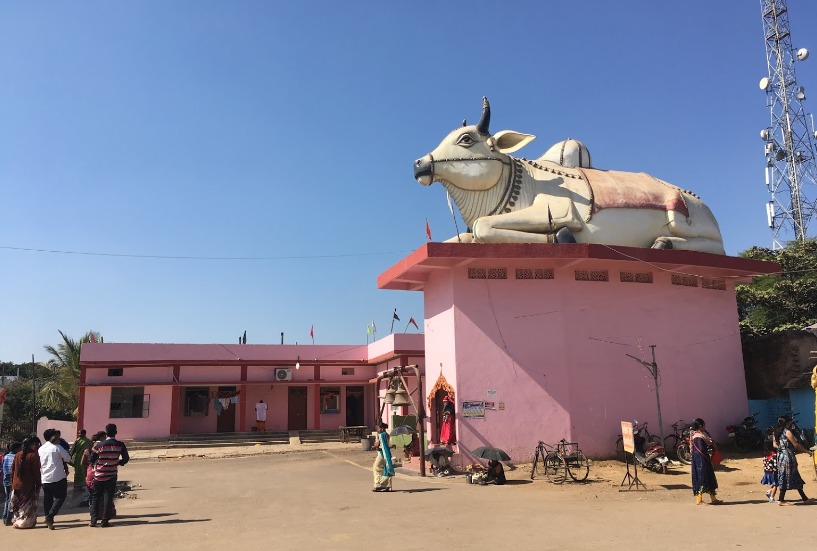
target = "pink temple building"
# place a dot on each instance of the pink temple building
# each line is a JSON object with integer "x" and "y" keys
{"x": 531, "y": 340}
{"x": 163, "y": 390}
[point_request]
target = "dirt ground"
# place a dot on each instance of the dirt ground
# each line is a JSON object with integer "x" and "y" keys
{"x": 321, "y": 499}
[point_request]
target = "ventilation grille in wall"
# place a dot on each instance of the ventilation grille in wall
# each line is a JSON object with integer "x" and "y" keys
{"x": 487, "y": 273}
{"x": 534, "y": 273}
{"x": 716, "y": 283}
{"x": 592, "y": 275}
{"x": 685, "y": 280}
{"x": 636, "y": 277}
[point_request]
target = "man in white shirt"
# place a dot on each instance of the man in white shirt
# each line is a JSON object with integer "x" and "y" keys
{"x": 53, "y": 459}
{"x": 261, "y": 416}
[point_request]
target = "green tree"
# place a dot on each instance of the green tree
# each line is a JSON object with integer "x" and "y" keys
{"x": 780, "y": 302}
{"x": 61, "y": 389}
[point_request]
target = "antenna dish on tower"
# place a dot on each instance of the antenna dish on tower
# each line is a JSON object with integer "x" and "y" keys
{"x": 764, "y": 84}
{"x": 802, "y": 54}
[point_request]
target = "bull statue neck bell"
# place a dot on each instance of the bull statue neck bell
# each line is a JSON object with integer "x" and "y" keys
{"x": 560, "y": 197}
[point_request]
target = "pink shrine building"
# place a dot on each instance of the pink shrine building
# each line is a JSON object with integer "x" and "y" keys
{"x": 154, "y": 391}
{"x": 531, "y": 340}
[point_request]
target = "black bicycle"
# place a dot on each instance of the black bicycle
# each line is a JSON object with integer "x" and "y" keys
{"x": 559, "y": 462}
{"x": 678, "y": 442}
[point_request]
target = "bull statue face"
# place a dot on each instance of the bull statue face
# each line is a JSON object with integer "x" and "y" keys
{"x": 470, "y": 157}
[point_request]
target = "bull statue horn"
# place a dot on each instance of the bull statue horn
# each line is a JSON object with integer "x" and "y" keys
{"x": 485, "y": 120}
{"x": 464, "y": 123}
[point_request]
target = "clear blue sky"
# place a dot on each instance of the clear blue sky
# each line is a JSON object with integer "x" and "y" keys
{"x": 287, "y": 131}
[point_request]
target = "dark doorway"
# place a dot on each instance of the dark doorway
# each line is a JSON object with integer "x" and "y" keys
{"x": 226, "y": 421}
{"x": 354, "y": 406}
{"x": 296, "y": 419}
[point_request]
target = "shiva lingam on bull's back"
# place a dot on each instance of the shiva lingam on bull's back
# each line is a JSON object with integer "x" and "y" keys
{"x": 560, "y": 197}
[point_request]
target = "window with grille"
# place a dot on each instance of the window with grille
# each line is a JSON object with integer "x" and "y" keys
{"x": 534, "y": 273}
{"x": 129, "y": 401}
{"x": 591, "y": 275}
{"x": 716, "y": 283}
{"x": 636, "y": 277}
{"x": 196, "y": 402}
{"x": 685, "y": 280}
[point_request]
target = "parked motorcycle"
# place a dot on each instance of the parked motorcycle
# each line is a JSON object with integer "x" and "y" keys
{"x": 746, "y": 435}
{"x": 650, "y": 454}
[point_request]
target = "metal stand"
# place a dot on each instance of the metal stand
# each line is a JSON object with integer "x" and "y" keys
{"x": 633, "y": 479}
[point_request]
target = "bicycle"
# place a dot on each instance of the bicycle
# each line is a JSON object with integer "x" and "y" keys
{"x": 678, "y": 442}
{"x": 561, "y": 461}
{"x": 639, "y": 430}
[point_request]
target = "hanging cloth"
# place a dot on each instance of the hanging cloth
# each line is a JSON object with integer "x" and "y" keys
{"x": 225, "y": 403}
{"x": 217, "y": 406}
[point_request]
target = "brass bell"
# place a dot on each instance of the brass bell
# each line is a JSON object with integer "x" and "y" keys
{"x": 389, "y": 398}
{"x": 401, "y": 398}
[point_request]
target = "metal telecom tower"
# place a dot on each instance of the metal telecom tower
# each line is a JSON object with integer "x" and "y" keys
{"x": 791, "y": 176}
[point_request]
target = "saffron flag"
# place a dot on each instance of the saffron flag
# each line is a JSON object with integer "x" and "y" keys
{"x": 428, "y": 230}
{"x": 414, "y": 323}
{"x": 394, "y": 316}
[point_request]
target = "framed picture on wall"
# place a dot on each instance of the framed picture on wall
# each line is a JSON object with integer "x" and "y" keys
{"x": 330, "y": 400}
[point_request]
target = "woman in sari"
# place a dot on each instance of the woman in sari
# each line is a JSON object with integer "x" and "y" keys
{"x": 383, "y": 470}
{"x": 25, "y": 483}
{"x": 703, "y": 473}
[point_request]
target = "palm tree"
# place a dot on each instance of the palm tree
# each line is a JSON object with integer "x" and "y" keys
{"x": 61, "y": 391}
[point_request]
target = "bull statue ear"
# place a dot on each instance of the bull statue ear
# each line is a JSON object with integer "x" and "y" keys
{"x": 508, "y": 141}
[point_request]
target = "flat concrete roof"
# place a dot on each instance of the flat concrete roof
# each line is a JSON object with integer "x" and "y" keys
{"x": 411, "y": 273}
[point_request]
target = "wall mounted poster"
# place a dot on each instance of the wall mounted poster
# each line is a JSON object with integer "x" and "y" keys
{"x": 490, "y": 405}
{"x": 473, "y": 410}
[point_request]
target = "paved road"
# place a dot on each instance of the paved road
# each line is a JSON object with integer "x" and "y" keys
{"x": 322, "y": 500}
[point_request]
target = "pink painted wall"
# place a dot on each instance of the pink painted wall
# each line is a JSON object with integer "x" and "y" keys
{"x": 226, "y": 375}
{"x": 155, "y": 425}
{"x": 554, "y": 352}
{"x": 163, "y": 374}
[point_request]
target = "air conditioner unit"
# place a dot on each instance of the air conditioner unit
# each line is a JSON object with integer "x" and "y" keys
{"x": 283, "y": 374}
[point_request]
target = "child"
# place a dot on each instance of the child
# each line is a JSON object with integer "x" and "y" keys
{"x": 770, "y": 474}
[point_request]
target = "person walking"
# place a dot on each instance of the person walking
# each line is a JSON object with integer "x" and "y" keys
{"x": 703, "y": 473}
{"x": 53, "y": 461}
{"x": 383, "y": 469}
{"x": 261, "y": 416}
{"x": 788, "y": 477}
{"x": 8, "y": 461}
{"x": 77, "y": 450}
{"x": 25, "y": 483}
{"x": 107, "y": 457}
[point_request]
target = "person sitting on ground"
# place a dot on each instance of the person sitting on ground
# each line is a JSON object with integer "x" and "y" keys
{"x": 495, "y": 474}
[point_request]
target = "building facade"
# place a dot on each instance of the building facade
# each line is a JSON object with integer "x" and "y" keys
{"x": 163, "y": 390}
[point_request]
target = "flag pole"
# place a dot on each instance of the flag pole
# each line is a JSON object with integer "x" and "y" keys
{"x": 454, "y": 216}
{"x": 406, "y": 329}
{"x": 392, "y": 321}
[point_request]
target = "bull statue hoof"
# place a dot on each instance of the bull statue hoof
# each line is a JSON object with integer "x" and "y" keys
{"x": 564, "y": 236}
{"x": 462, "y": 238}
{"x": 662, "y": 243}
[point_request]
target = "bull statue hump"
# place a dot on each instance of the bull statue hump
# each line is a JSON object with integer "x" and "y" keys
{"x": 560, "y": 197}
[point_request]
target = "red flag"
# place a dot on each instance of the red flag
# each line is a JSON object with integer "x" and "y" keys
{"x": 93, "y": 338}
{"x": 428, "y": 230}
{"x": 312, "y": 331}
{"x": 2, "y": 395}
{"x": 414, "y": 323}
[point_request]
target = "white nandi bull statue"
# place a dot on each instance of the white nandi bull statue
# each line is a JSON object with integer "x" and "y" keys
{"x": 508, "y": 200}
